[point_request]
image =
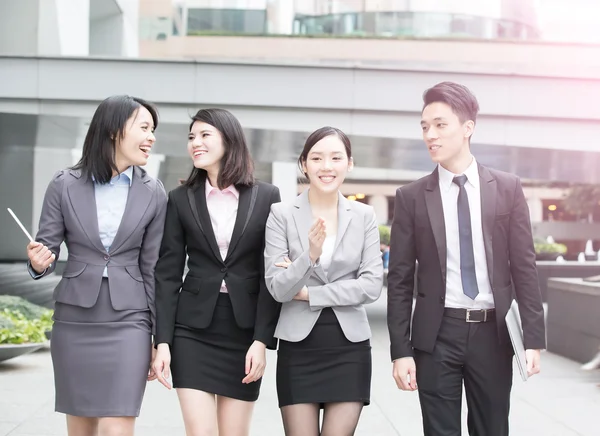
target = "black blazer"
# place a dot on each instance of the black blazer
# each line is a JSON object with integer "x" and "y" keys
{"x": 419, "y": 234}
{"x": 188, "y": 230}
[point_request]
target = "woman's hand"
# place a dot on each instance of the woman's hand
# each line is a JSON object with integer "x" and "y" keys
{"x": 40, "y": 256}
{"x": 151, "y": 374}
{"x": 161, "y": 364}
{"x": 316, "y": 237}
{"x": 302, "y": 295}
{"x": 256, "y": 362}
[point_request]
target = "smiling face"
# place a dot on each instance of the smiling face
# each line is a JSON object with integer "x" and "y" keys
{"x": 326, "y": 164}
{"x": 446, "y": 137}
{"x": 205, "y": 146}
{"x": 133, "y": 148}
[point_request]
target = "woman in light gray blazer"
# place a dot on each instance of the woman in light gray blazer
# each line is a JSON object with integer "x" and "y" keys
{"x": 111, "y": 215}
{"x": 323, "y": 262}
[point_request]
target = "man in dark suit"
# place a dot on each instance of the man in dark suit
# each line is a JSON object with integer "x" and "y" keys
{"x": 468, "y": 228}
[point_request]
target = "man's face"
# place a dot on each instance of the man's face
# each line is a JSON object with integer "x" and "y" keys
{"x": 444, "y": 134}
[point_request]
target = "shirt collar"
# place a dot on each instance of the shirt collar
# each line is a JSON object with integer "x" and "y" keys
{"x": 126, "y": 175}
{"x": 446, "y": 177}
{"x": 209, "y": 188}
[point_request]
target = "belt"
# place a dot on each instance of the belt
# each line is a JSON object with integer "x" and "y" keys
{"x": 471, "y": 315}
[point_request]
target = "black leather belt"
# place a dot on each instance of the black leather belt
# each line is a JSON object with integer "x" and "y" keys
{"x": 471, "y": 315}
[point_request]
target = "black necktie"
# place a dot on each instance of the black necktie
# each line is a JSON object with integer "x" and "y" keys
{"x": 467, "y": 256}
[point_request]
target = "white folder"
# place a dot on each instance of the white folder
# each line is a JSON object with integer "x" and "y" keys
{"x": 515, "y": 331}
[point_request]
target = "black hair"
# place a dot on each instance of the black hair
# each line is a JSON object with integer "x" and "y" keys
{"x": 107, "y": 125}
{"x": 237, "y": 166}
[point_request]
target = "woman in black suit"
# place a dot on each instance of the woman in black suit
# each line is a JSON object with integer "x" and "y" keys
{"x": 212, "y": 335}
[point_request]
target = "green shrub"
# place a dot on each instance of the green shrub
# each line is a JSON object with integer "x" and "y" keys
{"x": 541, "y": 246}
{"x": 384, "y": 234}
{"x": 25, "y": 330}
{"x": 5, "y": 323}
{"x": 17, "y": 304}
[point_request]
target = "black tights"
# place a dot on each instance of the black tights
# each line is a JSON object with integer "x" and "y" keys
{"x": 339, "y": 419}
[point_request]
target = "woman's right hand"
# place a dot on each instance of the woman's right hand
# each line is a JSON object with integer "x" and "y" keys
{"x": 316, "y": 237}
{"x": 162, "y": 364}
{"x": 40, "y": 256}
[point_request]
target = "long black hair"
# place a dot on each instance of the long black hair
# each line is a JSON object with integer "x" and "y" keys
{"x": 237, "y": 166}
{"x": 107, "y": 125}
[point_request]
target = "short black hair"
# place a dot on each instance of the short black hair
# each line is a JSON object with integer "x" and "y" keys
{"x": 319, "y": 134}
{"x": 237, "y": 166}
{"x": 460, "y": 99}
{"x": 107, "y": 125}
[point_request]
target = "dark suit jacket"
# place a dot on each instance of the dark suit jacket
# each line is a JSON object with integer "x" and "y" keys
{"x": 188, "y": 230}
{"x": 418, "y": 234}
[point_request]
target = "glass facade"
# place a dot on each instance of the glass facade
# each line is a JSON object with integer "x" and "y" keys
{"x": 412, "y": 24}
{"x": 238, "y": 21}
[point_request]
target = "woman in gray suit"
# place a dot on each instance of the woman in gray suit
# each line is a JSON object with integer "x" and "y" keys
{"x": 323, "y": 262}
{"x": 111, "y": 215}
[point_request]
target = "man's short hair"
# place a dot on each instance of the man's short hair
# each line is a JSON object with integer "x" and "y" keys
{"x": 458, "y": 97}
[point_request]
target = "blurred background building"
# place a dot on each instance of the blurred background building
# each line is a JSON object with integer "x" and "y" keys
{"x": 287, "y": 67}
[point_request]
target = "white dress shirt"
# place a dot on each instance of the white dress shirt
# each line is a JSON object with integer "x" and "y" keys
{"x": 449, "y": 190}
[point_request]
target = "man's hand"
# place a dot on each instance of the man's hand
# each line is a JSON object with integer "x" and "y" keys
{"x": 405, "y": 373}
{"x": 533, "y": 362}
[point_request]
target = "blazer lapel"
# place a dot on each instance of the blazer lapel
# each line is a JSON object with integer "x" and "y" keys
{"x": 138, "y": 201}
{"x": 244, "y": 212}
{"x": 83, "y": 201}
{"x": 488, "y": 193}
{"x": 203, "y": 219}
{"x": 344, "y": 218}
{"x": 435, "y": 210}
{"x": 304, "y": 220}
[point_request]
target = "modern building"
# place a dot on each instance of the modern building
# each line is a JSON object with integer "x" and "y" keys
{"x": 537, "y": 118}
{"x": 491, "y": 19}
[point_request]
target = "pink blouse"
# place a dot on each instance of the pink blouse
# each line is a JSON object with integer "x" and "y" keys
{"x": 222, "y": 208}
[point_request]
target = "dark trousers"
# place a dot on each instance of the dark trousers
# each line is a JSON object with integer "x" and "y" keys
{"x": 469, "y": 353}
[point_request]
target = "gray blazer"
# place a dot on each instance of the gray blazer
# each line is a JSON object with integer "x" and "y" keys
{"x": 354, "y": 278}
{"x": 69, "y": 214}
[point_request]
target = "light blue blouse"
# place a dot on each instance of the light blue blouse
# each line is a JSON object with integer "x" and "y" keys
{"x": 111, "y": 199}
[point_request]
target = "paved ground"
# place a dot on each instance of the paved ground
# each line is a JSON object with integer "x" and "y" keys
{"x": 563, "y": 401}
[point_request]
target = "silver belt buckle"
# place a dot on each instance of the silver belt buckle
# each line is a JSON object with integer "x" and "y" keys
{"x": 468, "y": 319}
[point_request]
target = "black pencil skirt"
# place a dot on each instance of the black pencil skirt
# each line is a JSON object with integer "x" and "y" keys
{"x": 325, "y": 367}
{"x": 213, "y": 359}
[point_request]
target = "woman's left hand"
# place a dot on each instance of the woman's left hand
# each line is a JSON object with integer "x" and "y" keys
{"x": 256, "y": 362}
{"x": 151, "y": 374}
{"x": 286, "y": 262}
{"x": 302, "y": 295}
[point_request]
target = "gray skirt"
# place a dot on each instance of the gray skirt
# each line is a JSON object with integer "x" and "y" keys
{"x": 101, "y": 358}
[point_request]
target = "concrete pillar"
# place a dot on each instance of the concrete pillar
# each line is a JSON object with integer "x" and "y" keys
{"x": 64, "y": 28}
{"x": 153, "y": 165}
{"x": 280, "y": 16}
{"x": 19, "y": 27}
{"x": 380, "y": 205}
{"x": 285, "y": 177}
{"x": 536, "y": 209}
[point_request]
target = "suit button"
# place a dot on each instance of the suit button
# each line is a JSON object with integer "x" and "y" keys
{"x": 106, "y": 257}
{"x": 224, "y": 269}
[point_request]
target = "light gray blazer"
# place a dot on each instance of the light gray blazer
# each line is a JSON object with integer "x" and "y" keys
{"x": 69, "y": 214}
{"x": 354, "y": 278}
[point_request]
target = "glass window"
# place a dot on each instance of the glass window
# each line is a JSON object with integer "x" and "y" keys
{"x": 227, "y": 20}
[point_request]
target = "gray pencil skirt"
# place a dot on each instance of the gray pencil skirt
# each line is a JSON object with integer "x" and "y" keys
{"x": 101, "y": 358}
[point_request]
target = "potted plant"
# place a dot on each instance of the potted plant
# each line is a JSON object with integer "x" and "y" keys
{"x": 24, "y": 327}
{"x": 548, "y": 250}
